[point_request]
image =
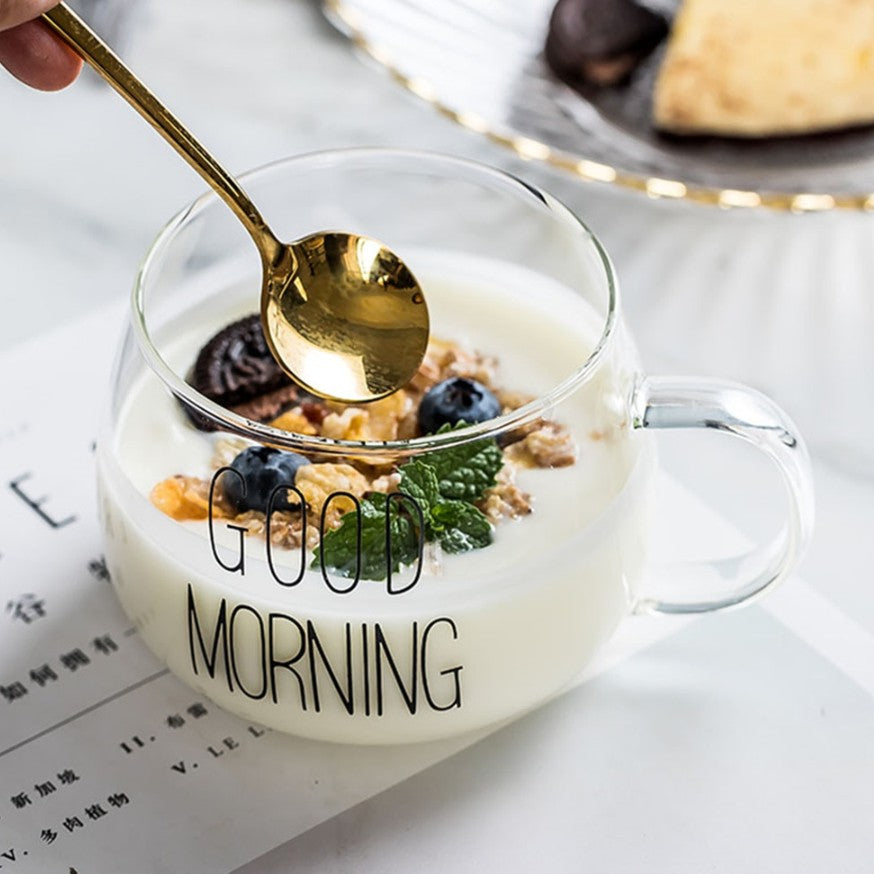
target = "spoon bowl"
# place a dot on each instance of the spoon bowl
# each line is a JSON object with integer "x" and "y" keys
{"x": 346, "y": 317}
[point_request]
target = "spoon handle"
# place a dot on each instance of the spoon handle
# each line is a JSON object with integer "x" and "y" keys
{"x": 76, "y": 33}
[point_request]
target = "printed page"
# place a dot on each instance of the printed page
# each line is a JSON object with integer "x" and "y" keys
{"x": 107, "y": 762}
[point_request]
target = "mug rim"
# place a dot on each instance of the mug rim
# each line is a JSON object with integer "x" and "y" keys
{"x": 228, "y": 421}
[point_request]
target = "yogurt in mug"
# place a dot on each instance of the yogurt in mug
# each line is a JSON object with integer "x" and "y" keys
{"x": 481, "y": 635}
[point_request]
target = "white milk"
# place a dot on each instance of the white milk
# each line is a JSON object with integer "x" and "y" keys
{"x": 482, "y": 636}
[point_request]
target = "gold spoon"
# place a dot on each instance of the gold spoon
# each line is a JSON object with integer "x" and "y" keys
{"x": 343, "y": 315}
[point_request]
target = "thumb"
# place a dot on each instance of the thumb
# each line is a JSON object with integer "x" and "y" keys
{"x": 15, "y": 12}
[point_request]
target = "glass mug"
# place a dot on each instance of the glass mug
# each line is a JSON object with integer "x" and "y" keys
{"x": 395, "y": 580}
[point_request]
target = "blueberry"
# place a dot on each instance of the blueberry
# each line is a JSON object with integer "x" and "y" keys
{"x": 456, "y": 400}
{"x": 262, "y": 470}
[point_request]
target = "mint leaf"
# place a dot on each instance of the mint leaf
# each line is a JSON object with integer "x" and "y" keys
{"x": 460, "y": 526}
{"x": 419, "y": 481}
{"x": 444, "y": 484}
{"x": 340, "y": 545}
{"x": 465, "y": 472}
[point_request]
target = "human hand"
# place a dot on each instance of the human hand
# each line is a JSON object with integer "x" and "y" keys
{"x": 30, "y": 51}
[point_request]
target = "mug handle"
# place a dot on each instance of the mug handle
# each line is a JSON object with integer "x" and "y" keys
{"x": 667, "y": 402}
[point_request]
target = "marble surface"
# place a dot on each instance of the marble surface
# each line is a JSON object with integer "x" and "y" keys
{"x": 780, "y": 301}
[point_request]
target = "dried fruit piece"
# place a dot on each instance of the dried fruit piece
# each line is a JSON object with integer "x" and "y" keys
{"x": 295, "y": 421}
{"x": 184, "y": 498}
{"x": 315, "y": 411}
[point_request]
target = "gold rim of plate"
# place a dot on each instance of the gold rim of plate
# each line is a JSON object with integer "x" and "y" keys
{"x": 654, "y": 187}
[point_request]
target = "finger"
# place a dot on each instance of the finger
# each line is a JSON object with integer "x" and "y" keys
{"x": 33, "y": 55}
{"x": 14, "y": 12}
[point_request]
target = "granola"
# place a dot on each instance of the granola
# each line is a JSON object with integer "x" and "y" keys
{"x": 547, "y": 444}
{"x": 540, "y": 444}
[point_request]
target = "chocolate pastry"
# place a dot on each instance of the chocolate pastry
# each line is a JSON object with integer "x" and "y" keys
{"x": 601, "y": 41}
{"x": 237, "y": 370}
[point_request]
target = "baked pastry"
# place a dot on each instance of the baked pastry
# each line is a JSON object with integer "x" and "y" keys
{"x": 766, "y": 67}
{"x": 742, "y": 68}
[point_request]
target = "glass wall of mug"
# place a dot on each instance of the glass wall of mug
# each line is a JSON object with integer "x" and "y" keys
{"x": 379, "y": 573}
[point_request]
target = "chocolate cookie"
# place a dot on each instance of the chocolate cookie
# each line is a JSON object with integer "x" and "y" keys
{"x": 601, "y": 41}
{"x": 236, "y": 365}
{"x": 237, "y": 370}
